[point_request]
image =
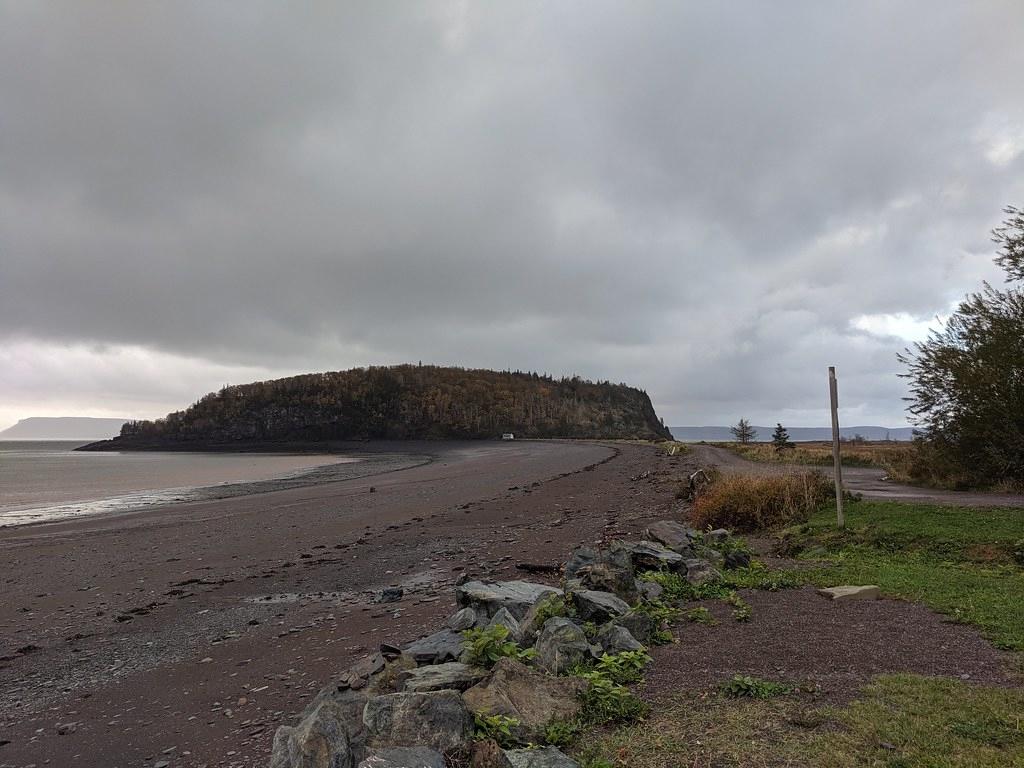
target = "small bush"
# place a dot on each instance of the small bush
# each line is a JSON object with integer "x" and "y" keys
{"x": 677, "y": 587}
{"x": 744, "y": 686}
{"x": 624, "y": 667}
{"x": 756, "y": 502}
{"x": 485, "y": 646}
{"x": 606, "y": 701}
{"x": 561, "y": 733}
{"x": 551, "y": 606}
{"x": 495, "y": 727}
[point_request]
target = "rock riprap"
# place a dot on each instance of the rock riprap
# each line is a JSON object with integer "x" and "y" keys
{"x": 413, "y": 706}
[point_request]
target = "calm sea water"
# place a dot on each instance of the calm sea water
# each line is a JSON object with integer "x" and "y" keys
{"x": 48, "y": 480}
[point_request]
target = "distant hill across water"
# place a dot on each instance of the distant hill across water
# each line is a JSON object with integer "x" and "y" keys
{"x": 398, "y": 403}
{"x": 796, "y": 434}
{"x": 63, "y": 428}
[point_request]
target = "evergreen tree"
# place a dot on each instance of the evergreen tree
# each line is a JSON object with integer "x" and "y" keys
{"x": 780, "y": 439}
{"x": 743, "y": 432}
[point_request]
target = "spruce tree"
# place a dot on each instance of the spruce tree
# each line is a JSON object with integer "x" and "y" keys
{"x": 743, "y": 432}
{"x": 780, "y": 439}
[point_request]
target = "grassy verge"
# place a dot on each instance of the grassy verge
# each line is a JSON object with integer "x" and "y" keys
{"x": 960, "y": 562}
{"x": 901, "y": 721}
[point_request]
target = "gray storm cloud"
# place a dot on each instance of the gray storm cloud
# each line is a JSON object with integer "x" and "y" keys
{"x": 706, "y": 199}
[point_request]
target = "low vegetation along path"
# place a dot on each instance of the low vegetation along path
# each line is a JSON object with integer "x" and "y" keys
{"x": 867, "y": 481}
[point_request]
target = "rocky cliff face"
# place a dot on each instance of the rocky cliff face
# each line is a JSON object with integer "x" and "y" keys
{"x": 402, "y": 402}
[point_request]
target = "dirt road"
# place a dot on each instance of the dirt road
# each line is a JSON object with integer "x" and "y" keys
{"x": 863, "y": 480}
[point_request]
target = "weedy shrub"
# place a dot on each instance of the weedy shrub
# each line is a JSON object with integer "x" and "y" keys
{"x": 677, "y": 587}
{"x": 561, "y": 733}
{"x": 755, "y": 502}
{"x": 496, "y": 727}
{"x": 606, "y": 701}
{"x": 756, "y": 576}
{"x": 659, "y": 611}
{"x": 744, "y": 686}
{"x": 552, "y": 606}
{"x": 486, "y": 646}
{"x": 623, "y": 667}
{"x": 740, "y": 608}
{"x": 701, "y": 615}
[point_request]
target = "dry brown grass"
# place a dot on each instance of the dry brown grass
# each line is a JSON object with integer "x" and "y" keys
{"x": 754, "y": 502}
{"x": 894, "y": 457}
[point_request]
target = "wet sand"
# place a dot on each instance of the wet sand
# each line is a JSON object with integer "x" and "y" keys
{"x": 187, "y": 633}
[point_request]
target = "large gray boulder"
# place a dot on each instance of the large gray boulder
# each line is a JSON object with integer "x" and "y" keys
{"x": 673, "y": 535}
{"x": 615, "y": 639}
{"x": 598, "y": 607}
{"x": 545, "y": 757}
{"x": 532, "y": 698}
{"x": 640, "y": 625}
{"x": 462, "y": 620}
{"x": 561, "y": 646}
{"x": 508, "y": 621}
{"x": 322, "y": 739}
{"x": 701, "y": 572}
{"x": 651, "y": 556}
{"x": 438, "y": 720}
{"x": 607, "y": 570}
{"x": 442, "y": 646}
{"x": 489, "y": 597}
{"x": 403, "y": 757}
{"x": 452, "y": 675}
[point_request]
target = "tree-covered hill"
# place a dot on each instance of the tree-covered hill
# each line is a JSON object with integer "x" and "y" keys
{"x": 401, "y": 402}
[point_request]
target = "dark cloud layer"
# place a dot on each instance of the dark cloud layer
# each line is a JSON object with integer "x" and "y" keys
{"x": 713, "y": 201}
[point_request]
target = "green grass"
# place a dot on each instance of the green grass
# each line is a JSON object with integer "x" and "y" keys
{"x": 957, "y": 561}
{"x": 900, "y": 721}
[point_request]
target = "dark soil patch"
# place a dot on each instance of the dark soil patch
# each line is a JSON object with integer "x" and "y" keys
{"x": 800, "y": 637}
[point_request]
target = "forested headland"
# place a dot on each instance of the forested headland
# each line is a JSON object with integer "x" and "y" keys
{"x": 400, "y": 402}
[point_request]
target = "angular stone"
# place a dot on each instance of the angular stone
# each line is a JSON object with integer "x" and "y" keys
{"x": 389, "y": 595}
{"x": 438, "y": 720}
{"x": 640, "y": 625}
{"x": 532, "y": 698}
{"x": 671, "y": 534}
{"x": 651, "y": 556}
{"x": 719, "y": 534}
{"x": 609, "y": 570}
{"x": 452, "y": 675}
{"x": 320, "y": 740}
{"x": 507, "y": 620}
{"x": 561, "y": 646}
{"x": 615, "y": 639}
{"x": 650, "y": 590}
{"x": 865, "y": 592}
{"x": 734, "y": 560}
{"x": 488, "y": 754}
{"x": 462, "y": 620}
{"x": 701, "y": 572}
{"x": 592, "y": 605}
{"x": 442, "y": 646}
{"x": 545, "y": 757}
{"x": 491, "y": 596}
{"x": 403, "y": 757}
{"x": 359, "y": 674}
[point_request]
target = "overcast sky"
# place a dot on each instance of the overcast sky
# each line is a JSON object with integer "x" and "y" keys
{"x": 712, "y": 201}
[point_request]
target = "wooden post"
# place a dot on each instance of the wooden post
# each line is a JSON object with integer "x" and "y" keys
{"x": 833, "y": 392}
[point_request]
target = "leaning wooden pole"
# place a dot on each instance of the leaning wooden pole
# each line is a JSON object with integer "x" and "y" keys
{"x": 833, "y": 392}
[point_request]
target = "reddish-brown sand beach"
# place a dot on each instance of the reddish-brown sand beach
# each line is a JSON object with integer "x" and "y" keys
{"x": 187, "y": 633}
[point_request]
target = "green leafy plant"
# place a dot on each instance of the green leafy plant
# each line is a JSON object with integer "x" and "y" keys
{"x": 756, "y": 576}
{"x": 662, "y": 637}
{"x": 701, "y": 615}
{"x": 659, "y": 611}
{"x": 744, "y": 686}
{"x": 485, "y": 646}
{"x": 496, "y": 727}
{"x": 590, "y": 630}
{"x": 561, "y": 733}
{"x": 740, "y": 608}
{"x": 677, "y": 587}
{"x": 605, "y": 700}
{"x": 551, "y": 606}
{"x": 624, "y": 667}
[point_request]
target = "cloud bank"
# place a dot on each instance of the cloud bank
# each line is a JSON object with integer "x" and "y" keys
{"x": 712, "y": 201}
